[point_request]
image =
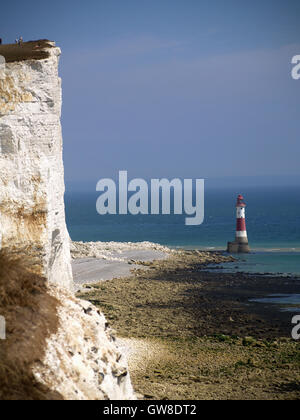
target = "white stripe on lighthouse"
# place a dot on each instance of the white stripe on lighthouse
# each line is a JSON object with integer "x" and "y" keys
{"x": 241, "y": 234}
{"x": 240, "y": 212}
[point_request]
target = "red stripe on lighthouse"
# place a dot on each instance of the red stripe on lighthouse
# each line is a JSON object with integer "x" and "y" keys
{"x": 240, "y": 225}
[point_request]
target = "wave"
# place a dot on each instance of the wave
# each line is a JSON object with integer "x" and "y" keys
{"x": 253, "y": 249}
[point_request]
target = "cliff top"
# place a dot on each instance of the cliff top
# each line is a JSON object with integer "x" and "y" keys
{"x": 32, "y": 50}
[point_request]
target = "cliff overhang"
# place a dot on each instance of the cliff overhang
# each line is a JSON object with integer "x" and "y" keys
{"x": 31, "y": 50}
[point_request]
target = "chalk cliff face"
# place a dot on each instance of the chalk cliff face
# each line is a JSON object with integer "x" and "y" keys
{"x": 76, "y": 358}
{"x": 32, "y": 213}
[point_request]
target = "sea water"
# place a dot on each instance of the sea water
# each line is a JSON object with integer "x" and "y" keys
{"x": 273, "y": 224}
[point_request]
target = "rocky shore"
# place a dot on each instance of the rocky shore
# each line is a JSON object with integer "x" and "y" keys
{"x": 210, "y": 340}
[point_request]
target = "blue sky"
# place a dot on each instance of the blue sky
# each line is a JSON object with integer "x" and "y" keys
{"x": 172, "y": 88}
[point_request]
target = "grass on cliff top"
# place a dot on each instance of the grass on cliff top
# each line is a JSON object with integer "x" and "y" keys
{"x": 32, "y": 50}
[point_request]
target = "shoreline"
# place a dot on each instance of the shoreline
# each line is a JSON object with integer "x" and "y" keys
{"x": 93, "y": 262}
{"x": 92, "y": 245}
{"x": 254, "y": 248}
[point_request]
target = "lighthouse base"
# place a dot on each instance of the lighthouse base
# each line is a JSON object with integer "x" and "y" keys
{"x": 238, "y": 248}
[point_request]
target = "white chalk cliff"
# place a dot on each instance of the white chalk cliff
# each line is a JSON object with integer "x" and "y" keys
{"x": 32, "y": 210}
{"x": 81, "y": 360}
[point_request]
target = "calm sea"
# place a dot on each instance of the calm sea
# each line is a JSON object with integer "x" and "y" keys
{"x": 273, "y": 224}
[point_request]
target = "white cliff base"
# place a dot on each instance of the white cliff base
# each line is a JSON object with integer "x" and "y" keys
{"x": 82, "y": 361}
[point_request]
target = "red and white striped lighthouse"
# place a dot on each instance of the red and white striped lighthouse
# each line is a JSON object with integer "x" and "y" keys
{"x": 241, "y": 240}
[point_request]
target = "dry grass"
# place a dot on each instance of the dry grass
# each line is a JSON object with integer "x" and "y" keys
{"x": 32, "y": 50}
{"x": 31, "y": 316}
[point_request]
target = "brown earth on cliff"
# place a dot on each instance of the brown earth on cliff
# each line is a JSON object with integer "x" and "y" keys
{"x": 31, "y": 50}
{"x": 31, "y": 317}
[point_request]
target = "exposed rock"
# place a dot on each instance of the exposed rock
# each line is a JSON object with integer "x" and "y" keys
{"x": 249, "y": 341}
{"x": 82, "y": 361}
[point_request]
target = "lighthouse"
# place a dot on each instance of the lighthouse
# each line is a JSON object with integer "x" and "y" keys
{"x": 241, "y": 240}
